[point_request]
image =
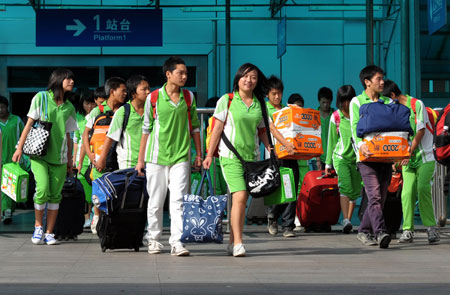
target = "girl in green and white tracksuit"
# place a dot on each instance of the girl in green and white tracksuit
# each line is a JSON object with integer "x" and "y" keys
{"x": 418, "y": 170}
{"x": 50, "y": 170}
{"x": 341, "y": 156}
{"x": 86, "y": 105}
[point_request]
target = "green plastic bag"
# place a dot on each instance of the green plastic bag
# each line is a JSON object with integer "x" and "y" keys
{"x": 286, "y": 192}
{"x": 15, "y": 182}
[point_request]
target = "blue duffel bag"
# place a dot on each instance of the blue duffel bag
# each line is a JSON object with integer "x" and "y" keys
{"x": 381, "y": 117}
{"x": 202, "y": 218}
{"x": 109, "y": 190}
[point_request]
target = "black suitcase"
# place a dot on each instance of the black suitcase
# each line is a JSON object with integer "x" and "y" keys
{"x": 392, "y": 210}
{"x": 124, "y": 227}
{"x": 73, "y": 206}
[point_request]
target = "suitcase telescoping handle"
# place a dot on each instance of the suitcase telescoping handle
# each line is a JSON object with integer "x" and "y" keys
{"x": 131, "y": 176}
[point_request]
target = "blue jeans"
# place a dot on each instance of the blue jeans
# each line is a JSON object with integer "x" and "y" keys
{"x": 376, "y": 178}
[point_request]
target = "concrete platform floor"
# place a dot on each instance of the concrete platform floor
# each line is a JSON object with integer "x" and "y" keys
{"x": 313, "y": 263}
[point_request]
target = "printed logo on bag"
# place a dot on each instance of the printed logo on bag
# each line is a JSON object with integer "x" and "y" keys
{"x": 198, "y": 232}
{"x": 261, "y": 181}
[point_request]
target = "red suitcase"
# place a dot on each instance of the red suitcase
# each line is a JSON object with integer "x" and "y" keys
{"x": 318, "y": 206}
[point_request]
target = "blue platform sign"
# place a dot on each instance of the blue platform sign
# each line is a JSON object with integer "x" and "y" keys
{"x": 98, "y": 27}
{"x": 281, "y": 37}
{"x": 437, "y": 15}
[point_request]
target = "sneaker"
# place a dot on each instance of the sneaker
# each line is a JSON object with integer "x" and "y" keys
{"x": 299, "y": 229}
{"x": 239, "y": 250}
{"x": 407, "y": 237}
{"x": 288, "y": 233}
{"x": 7, "y": 216}
{"x": 230, "y": 249}
{"x": 383, "y": 240}
{"x": 433, "y": 235}
{"x": 179, "y": 250}
{"x": 155, "y": 247}
{"x": 347, "y": 226}
{"x": 94, "y": 224}
{"x": 87, "y": 223}
{"x": 50, "y": 239}
{"x": 272, "y": 226}
{"x": 37, "y": 235}
{"x": 366, "y": 239}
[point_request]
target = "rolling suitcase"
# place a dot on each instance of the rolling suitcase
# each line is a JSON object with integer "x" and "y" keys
{"x": 257, "y": 211}
{"x": 318, "y": 205}
{"x": 124, "y": 226}
{"x": 70, "y": 219}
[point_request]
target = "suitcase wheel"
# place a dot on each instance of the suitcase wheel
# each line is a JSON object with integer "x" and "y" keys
{"x": 103, "y": 249}
{"x": 75, "y": 238}
{"x": 136, "y": 249}
{"x": 66, "y": 238}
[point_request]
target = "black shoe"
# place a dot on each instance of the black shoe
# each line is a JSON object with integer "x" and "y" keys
{"x": 383, "y": 240}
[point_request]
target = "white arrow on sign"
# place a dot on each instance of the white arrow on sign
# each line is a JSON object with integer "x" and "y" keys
{"x": 79, "y": 28}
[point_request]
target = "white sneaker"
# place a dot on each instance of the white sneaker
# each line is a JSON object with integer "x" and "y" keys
{"x": 154, "y": 247}
{"x": 50, "y": 239}
{"x": 37, "y": 235}
{"x": 179, "y": 250}
{"x": 94, "y": 224}
{"x": 230, "y": 249}
{"x": 87, "y": 223}
{"x": 239, "y": 250}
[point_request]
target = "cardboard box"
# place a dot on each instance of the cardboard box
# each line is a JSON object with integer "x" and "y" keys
{"x": 301, "y": 127}
{"x": 307, "y": 145}
{"x": 386, "y": 147}
{"x": 297, "y": 119}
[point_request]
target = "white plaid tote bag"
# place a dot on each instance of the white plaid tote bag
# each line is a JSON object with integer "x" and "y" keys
{"x": 36, "y": 142}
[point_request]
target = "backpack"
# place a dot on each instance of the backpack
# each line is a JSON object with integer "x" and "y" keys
{"x": 97, "y": 136}
{"x": 188, "y": 95}
{"x": 432, "y": 115}
{"x": 441, "y": 137}
{"x": 337, "y": 120}
{"x": 212, "y": 122}
{"x": 380, "y": 117}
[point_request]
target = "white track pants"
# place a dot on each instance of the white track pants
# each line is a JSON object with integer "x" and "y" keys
{"x": 159, "y": 178}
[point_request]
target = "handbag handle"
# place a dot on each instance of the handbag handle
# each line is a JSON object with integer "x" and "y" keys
{"x": 208, "y": 176}
{"x": 44, "y": 100}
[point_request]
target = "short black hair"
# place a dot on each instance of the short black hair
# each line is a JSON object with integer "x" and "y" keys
{"x": 171, "y": 64}
{"x": 274, "y": 83}
{"x": 389, "y": 87}
{"x": 368, "y": 72}
{"x": 112, "y": 84}
{"x": 4, "y": 100}
{"x": 296, "y": 97}
{"x": 132, "y": 84}
{"x": 326, "y": 93}
{"x": 345, "y": 93}
{"x": 86, "y": 95}
{"x": 100, "y": 92}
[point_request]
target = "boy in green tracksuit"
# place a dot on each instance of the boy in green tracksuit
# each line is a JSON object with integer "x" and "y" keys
{"x": 11, "y": 127}
{"x": 303, "y": 166}
{"x": 341, "y": 156}
{"x": 418, "y": 170}
{"x": 127, "y": 137}
{"x": 116, "y": 91}
{"x": 286, "y": 211}
{"x": 325, "y": 97}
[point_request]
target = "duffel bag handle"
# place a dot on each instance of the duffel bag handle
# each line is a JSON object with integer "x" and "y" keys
{"x": 208, "y": 176}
